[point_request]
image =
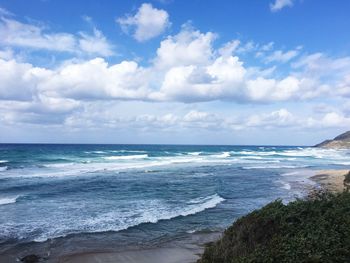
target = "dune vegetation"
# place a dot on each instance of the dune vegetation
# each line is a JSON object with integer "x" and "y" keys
{"x": 315, "y": 229}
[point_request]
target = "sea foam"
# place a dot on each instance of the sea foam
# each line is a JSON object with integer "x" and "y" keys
{"x": 127, "y": 157}
{"x": 8, "y": 200}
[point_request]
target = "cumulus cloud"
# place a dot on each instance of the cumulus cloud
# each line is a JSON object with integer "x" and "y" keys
{"x": 187, "y": 68}
{"x": 188, "y": 47}
{"x": 17, "y": 34}
{"x": 280, "y": 4}
{"x": 147, "y": 23}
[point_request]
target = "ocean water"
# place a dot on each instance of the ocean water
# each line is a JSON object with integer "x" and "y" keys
{"x": 51, "y": 191}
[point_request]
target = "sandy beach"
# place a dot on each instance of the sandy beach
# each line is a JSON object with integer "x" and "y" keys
{"x": 331, "y": 180}
{"x": 184, "y": 250}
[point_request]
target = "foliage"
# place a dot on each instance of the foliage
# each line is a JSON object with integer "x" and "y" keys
{"x": 347, "y": 179}
{"x": 313, "y": 230}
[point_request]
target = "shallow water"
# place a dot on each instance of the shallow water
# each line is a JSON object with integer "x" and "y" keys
{"x": 50, "y": 191}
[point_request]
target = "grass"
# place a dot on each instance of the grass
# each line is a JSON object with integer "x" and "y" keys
{"x": 313, "y": 230}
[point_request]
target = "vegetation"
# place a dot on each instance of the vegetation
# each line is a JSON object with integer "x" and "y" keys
{"x": 313, "y": 230}
{"x": 347, "y": 180}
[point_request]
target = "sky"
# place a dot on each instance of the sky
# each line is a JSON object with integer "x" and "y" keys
{"x": 244, "y": 72}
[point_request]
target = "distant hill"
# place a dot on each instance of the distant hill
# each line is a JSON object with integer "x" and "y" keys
{"x": 341, "y": 141}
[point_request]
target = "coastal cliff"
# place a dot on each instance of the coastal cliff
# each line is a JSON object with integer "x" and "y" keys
{"x": 342, "y": 141}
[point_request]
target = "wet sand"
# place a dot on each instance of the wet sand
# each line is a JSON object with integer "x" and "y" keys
{"x": 185, "y": 250}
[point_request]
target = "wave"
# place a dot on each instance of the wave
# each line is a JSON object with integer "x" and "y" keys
{"x": 8, "y": 200}
{"x": 4, "y": 161}
{"x": 194, "y": 153}
{"x": 222, "y": 155}
{"x": 291, "y": 173}
{"x": 96, "y": 152}
{"x": 274, "y": 167}
{"x": 3, "y": 168}
{"x": 151, "y": 211}
{"x": 128, "y": 151}
{"x": 58, "y": 165}
{"x": 127, "y": 157}
{"x": 342, "y": 163}
{"x": 203, "y": 204}
{"x": 286, "y": 186}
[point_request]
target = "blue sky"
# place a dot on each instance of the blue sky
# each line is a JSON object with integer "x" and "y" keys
{"x": 174, "y": 71}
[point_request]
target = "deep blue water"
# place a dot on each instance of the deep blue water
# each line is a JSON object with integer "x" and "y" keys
{"x": 49, "y": 191}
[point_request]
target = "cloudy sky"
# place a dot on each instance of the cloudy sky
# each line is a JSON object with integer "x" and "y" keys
{"x": 267, "y": 72}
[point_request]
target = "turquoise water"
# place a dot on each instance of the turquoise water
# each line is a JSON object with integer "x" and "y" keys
{"x": 50, "y": 191}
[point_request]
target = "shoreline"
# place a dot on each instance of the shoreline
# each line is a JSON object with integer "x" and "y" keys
{"x": 187, "y": 249}
{"x": 183, "y": 249}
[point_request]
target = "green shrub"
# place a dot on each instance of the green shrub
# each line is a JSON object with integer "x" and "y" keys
{"x": 347, "y": 179}
{"x": 312, "y": 230}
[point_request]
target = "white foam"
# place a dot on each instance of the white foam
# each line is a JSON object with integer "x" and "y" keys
{"x": 147, "y": 211}
{"x": 291, "y": 173}
{"x": 342, "y": 163}
{"x": 127, "y": 151}
{"x": 8, "y": 200}
{"x": 3, "y": 168}
{"x": 273, "y": 167}
{"x": 127, "y": 157}
{"x": 194, "y": 153}
{"x": 222, "y": 155}
{"x": 286, "y": 186}
{"x": 58, "y": 165}
{"x": 4, "y": 161}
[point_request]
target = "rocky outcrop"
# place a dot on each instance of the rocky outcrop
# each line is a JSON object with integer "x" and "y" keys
{"x": 342, "y": 141}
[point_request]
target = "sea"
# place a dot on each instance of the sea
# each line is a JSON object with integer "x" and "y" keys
{"x": 144, "y": 193}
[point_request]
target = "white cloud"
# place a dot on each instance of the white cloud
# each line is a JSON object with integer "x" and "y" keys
{"x": 247, "y": 47}
{"x": 280, "y": 4}
{"x": 6, "y": 53}
{"x": 96, "y": 79}
{"x": 268, "y": 46}
{"x": 95, "y": 44}
{"x": 334, "y": 119}
{"x": 5, "y": 12}
{"x": 279, "y": 118}
{"x": 283, "y": 57}
{"x": 147, "y": 23}
{"x": 228, "y": 48}
{"x": 189, "y": 47}
{"x": 187, "y": 68}
{"x": 19, "y": 81}
{"x": 17, "y": 34}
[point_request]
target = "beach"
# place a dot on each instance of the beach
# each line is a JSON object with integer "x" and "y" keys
{"x": 185, "y": 250}
{"x": 331, "y": 180}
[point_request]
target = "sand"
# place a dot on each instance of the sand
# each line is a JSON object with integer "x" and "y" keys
{"x": 155, "y": 255}
{"x": 331, "y": 180}
{"x": 186, "y": 250}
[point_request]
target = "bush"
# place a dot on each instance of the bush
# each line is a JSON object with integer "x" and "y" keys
{"x": 347, "y": 179}
{"x": 313, "y": 230}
